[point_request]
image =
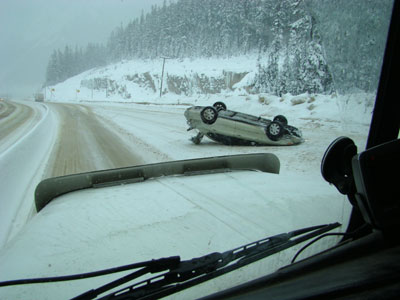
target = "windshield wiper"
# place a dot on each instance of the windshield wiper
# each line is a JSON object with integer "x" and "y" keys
{"x": 187, "y": 273}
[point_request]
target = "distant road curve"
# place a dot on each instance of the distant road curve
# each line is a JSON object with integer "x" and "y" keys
{"x": 85, "y": 144}
{"x": 15, "y": 119}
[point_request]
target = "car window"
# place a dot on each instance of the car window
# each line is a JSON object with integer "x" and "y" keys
{"x": 95, "y": 85}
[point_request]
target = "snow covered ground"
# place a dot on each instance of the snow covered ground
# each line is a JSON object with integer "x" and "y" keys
{"x": 179, "y": 216}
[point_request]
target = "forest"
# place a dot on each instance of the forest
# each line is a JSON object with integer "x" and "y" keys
{"x": 302, "y": 46}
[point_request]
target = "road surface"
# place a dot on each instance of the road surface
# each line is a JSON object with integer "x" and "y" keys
{"x": 84, "y": 143}
{"x": 15, "y": 119}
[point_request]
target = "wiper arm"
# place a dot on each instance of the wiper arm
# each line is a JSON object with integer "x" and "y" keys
{"x": 154, "y": 266}
{"x": 185, "y": 274}
{"x": 197, "y": 270}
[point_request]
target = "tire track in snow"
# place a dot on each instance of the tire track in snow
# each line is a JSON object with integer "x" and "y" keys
{"x": 15, "y": 119}
{"x": 84, "y": 144}
{"x": 143, "y": 124}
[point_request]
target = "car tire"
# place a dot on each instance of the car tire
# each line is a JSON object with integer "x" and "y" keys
{"x": 219, "y": 106}
{"x": 281, "y": 119}
{"x": 209, "y": 115}
{"x": 274, "y": 131}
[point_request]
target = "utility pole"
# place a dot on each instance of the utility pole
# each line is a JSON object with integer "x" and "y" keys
{"x": 162, "y": 73}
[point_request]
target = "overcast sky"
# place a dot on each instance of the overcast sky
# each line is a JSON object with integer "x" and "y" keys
{"x": 31, "y": 29}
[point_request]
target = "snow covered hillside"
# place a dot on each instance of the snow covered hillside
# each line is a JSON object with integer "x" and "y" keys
{"x": 202, "y": 82}
{"x": 140, "y": 80}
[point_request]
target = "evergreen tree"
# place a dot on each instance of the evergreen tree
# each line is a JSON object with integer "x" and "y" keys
{"x": 293, "y": 38}
{"x": 52, "y": 71}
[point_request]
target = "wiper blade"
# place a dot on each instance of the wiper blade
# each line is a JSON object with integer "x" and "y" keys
{"x": 198, "y": 270}
{"x": 156, "y": 266}
{"x": 185, "y": 274}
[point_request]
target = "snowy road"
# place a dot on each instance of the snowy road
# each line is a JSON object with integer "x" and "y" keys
{"x": 85, "y": 144}
{"x": 69, "y": 138}
{"x": 16, "y": 118}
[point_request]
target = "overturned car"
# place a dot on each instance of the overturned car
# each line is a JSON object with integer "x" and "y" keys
{"x": 234, "y": 128}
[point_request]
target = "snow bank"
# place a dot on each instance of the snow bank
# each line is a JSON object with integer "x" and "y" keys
{"x": 22, "y": 171}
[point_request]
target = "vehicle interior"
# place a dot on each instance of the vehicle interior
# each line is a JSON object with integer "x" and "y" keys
{"x": 364, "y": 264}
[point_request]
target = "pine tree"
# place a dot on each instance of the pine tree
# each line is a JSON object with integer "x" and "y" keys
{"x": 295, "y": 41}
{"x": 52, "y": 71}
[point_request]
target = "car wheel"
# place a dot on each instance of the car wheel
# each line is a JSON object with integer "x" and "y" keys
{"x": 209, "y": 115}
{"x": 219, "y": 106}
{"x": 274, "y": 131}
{"x": 281, "y": 119}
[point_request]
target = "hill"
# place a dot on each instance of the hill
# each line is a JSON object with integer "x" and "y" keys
{"x": 301, "y": 46}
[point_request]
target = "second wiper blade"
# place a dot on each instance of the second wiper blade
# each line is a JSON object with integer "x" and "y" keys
{"x": 198, "y": 270}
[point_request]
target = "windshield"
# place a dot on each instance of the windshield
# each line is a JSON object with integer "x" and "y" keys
{"x": 95, "y": 85}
